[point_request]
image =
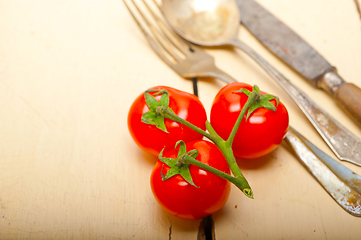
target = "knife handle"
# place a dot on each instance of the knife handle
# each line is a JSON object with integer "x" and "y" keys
{"x": 348, "y": 95}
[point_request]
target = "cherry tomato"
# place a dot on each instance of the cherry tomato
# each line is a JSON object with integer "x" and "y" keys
{"x": 256, "y": 137}
{"x": 153, "y": 140}
{"x": 183, "y": 200}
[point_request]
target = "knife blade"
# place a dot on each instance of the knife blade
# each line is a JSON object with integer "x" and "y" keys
{"x": 302, "y": 57}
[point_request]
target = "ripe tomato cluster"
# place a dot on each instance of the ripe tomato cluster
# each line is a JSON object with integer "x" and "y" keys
{"x": 187, "y": 190}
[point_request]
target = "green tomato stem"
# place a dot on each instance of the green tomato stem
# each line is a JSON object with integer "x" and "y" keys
{"x": 238, "y": 182}
{"x": 250, "y": 100}
{"x": 224, "y": 146}
{"x": 169, "y": 114}
{"x": 211, "y": 130}
{"x": 227, "y": 151}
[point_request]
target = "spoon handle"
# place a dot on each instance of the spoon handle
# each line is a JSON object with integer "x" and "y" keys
{"x": 349, "y": 177}
{"x": 314, "y": 162}
{"x": 342, "y": 142}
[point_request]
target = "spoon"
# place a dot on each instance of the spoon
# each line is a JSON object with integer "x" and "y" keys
{"x": 216, "y": 23}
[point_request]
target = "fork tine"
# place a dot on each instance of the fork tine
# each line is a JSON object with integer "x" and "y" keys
{"x": 138, "y": 22}
{"x": 179, "y": 43}
{"x": 154, "y": 43}
{"x": 188, "y": 46}
{"x": 194, "y": 62}
{"x": 157, "y": 34}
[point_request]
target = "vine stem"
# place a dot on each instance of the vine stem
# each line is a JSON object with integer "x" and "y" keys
{"x": 169, "y": 114}
{"x": 252, "y": 97}
{"x": 224, "y": 146}
{"x": 236, "y": 181}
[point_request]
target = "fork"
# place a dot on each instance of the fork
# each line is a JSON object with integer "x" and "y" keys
{"x": 190, "y": 61}
{"x": 186, "y": 59}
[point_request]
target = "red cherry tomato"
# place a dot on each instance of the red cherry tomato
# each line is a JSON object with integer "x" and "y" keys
{"x": 183, "y": 200}
{"x": 256, "y": 137}
{"x": 153, "y": 140}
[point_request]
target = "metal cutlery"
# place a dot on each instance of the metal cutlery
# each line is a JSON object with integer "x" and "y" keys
{"x": 298, "y": 54}
{"x": 335, "y": 178}
{"x": 208, "y": 26}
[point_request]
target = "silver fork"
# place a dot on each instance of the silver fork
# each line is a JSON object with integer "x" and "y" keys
{"x": 190, "y": 61}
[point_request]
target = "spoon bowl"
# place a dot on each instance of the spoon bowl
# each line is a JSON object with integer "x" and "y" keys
{"x": 204, "y": 22}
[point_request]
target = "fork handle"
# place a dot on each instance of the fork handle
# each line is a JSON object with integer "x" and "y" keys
{"x": 218, "y": 73}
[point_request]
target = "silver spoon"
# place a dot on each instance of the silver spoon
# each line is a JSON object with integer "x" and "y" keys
{"x": 216, "y": 23}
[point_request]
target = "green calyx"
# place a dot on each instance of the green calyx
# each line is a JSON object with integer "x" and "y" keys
{"x": 259, "y": 101}
{"x": 179, "y": 165}
{"x": 154, "y": 116}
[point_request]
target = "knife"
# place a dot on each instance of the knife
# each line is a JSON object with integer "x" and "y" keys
{"x": 297, "y": 53}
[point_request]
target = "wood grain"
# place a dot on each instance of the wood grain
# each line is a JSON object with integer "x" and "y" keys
{"x": 69, "y": 71}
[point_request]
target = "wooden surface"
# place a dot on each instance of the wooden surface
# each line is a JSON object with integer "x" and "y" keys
{"x": 69, "y": 71}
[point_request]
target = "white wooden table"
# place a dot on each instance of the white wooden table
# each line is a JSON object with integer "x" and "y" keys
{"x": 69, "y": 71}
